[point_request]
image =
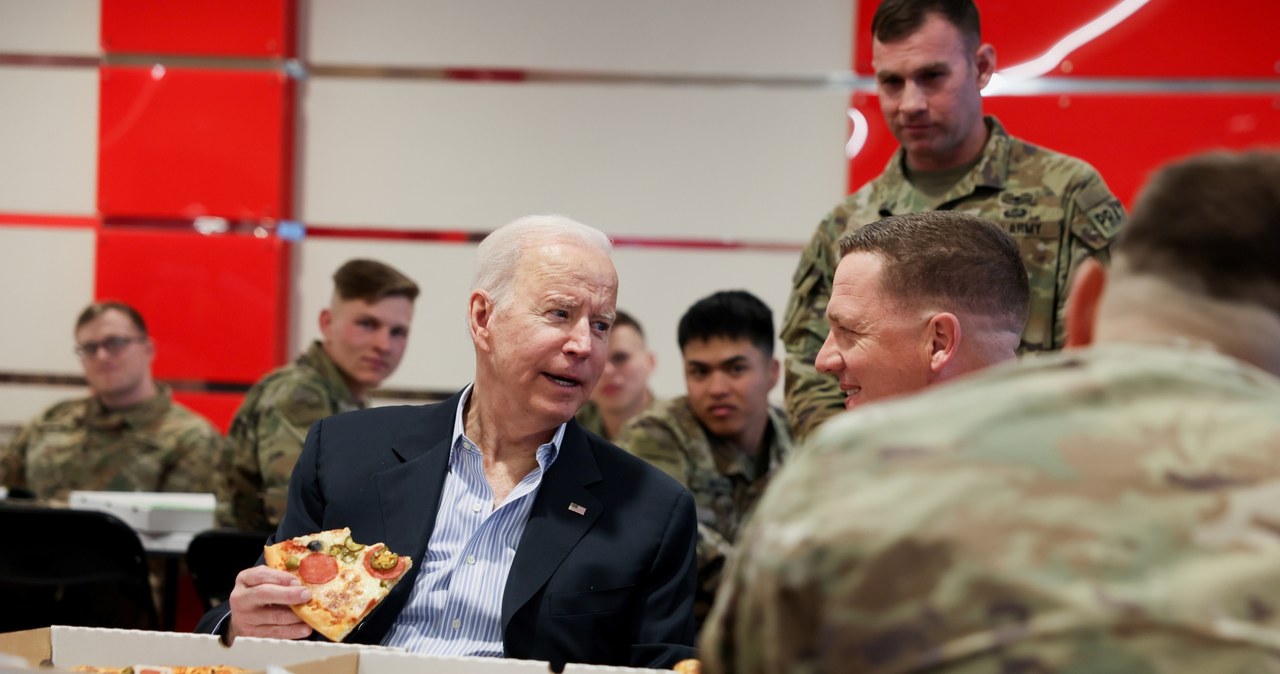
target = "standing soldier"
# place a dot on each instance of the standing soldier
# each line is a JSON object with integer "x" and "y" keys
{"x": 931, "y": 66}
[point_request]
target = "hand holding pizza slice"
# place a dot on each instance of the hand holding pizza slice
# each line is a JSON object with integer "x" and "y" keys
{"x": 347, "y": 579}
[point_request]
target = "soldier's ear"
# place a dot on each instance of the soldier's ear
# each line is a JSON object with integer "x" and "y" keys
{"x": 1083, "y": 303}
{"x": 984, "y": 64}
{"x": 326, "y": 319}
{"x": 944, "y": 341}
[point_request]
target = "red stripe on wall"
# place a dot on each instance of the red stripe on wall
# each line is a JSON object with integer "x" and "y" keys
{"x": 50, "y": 220}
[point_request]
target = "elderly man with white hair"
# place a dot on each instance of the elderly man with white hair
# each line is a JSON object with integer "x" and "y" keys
{"x": 530, "y": 537}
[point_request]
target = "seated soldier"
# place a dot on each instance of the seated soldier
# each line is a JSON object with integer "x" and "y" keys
{"x": 723, "y": 440}
{"x": 623, "y": 391}
{"x": 128, "y": 435}
{"x": 366, "y": 331}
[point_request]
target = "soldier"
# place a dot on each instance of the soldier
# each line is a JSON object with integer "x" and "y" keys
{"x": 1107, "y": 509}
{"x": 930, "y": 67}
{"x": 920, "y": 299}
{"x": 723, "y": 440}
{"x": 366, "y": 330}
{"x": 623, "y": 390}
{"x": 128, "y": 435}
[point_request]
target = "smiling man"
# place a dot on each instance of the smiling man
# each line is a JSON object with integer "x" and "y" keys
{"x": 365, "y": 331}
{"x": 919, "y": 299}
{"x": 530, "y": 537}
{"x": 128, "y": 435}
{"x": 723, "y": 440}
{"x": 931, "y": 66}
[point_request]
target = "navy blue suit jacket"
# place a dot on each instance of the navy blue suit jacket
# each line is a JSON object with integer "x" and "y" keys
{"x": 612, "y": 586}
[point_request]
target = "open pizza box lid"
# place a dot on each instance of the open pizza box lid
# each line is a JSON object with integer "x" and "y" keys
{"x": 397, "y": 662}
{"x": 65, "y": 647}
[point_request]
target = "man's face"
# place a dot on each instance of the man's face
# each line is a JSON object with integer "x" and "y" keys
{"x": 546, "y": 346}
{"x": 625, "y": 381}
{"x": 366, "y": 341}
{"x": 877, "y": 348}
{"x": 728, "y": 381}
{"x": 929, "y": 87}
{"x": 116, "y": 376}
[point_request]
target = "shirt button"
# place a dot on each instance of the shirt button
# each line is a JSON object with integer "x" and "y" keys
{"x": 471, "y": 559}
{"x": 457, "y": 623}
{"x": 475, "y": 508}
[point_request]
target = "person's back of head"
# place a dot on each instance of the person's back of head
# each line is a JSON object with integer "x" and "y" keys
{"x": 1196, "y": 262}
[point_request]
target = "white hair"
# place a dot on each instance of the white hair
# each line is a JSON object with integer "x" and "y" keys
{"x": 499, "y": 253}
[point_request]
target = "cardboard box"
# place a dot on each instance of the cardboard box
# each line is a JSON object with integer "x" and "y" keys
{"x": 152, "y": 512}
{"x": 64, "y": 647}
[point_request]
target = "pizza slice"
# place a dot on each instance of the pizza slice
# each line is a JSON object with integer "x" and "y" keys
{"x": 347, "y": 579}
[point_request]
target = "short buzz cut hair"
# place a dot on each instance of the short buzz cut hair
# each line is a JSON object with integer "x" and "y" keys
{"x": 626, "y": 320}
{"x": 372, "y": 281}
{"x": 1211, "y": 224}
{"x": 93, "y": 311}
{"x": 956, "y": 260}
{"x": 896, "y": 20}
{"x": 730, "y": 314}
{"x": 498, "y": 255}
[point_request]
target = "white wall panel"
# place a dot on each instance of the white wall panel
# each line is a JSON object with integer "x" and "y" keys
{"x": 22, "y": 403}
{"x": 656, "y": 286}
{"x": 49, "y": 27}
{"x": 761, "y": 37}
{"x": 737, "y": 162}
{"x": 48, "y": 139}
{"x": 47, "y": 276}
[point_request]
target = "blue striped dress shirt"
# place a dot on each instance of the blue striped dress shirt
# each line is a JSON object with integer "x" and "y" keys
{"x": 456, "y": 604}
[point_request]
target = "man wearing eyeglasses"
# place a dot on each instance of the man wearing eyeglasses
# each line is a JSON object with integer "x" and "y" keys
{"x": 128, "y": 435}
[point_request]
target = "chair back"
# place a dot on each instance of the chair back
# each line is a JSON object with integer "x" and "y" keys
{"x": 73, "y": 567}
{"x": 216, "y": 556}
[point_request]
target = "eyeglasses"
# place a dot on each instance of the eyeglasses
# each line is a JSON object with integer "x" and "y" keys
{"x": 112, "y": 345}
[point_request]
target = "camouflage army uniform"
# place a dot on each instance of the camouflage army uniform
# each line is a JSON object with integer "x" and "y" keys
{"x": 590, "y": 418}
{"x": 267, "y": 433}
{"x": 1056, "y": 207}
{"x": 725, "y": 484}
{"x": 1108, "y": 510}
{"x": 156, "y": 445}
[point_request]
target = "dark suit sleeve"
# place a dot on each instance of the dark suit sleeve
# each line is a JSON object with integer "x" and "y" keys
{"x": 303, "y": 516}
{"x": 666, "y": 628}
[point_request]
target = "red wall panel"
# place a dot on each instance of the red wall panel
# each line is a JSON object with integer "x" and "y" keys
{"x": 219, "y": 408}
{"x": 1124, "y": 136}
{"x": 263, "y": 28}
{"x": 216, "y": 305}
{"x": 1160, "y": 38}
{"x": 184, "y": 142}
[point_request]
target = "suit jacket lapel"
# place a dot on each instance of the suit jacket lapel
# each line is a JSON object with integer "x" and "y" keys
{"x": 409, "y": 497}
{"x": 553, "y": 528}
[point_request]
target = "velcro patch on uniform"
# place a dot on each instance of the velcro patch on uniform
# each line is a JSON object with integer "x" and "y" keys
{"x": 1104, "y": 216}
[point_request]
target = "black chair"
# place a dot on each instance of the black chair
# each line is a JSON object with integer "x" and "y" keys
{"x": 214, "y": 557}
{"x": 72, "y": 567}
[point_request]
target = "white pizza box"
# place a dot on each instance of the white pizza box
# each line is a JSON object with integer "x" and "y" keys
{"x": 64, "y": 647}
{"x": 397, "y": 662}
{"x": 155, "y": 513}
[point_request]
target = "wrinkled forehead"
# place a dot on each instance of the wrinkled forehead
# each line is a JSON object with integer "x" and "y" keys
{"x": 567, "y": 262}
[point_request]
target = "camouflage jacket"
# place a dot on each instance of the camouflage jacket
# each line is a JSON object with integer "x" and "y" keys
{"x": 1055, "y": 206}
{"x": 1104, "y": 510}
{"x": 590, "y": 418}
{"x": 725, "y": 484}
{"x": 157, "y": 445}
{"x": 267, "y": 433}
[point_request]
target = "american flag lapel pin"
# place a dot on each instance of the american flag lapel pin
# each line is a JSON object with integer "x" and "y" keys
{"x": 577, "y": 509}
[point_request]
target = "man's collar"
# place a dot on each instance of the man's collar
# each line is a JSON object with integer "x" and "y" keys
{"x": 135, "y": 416}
